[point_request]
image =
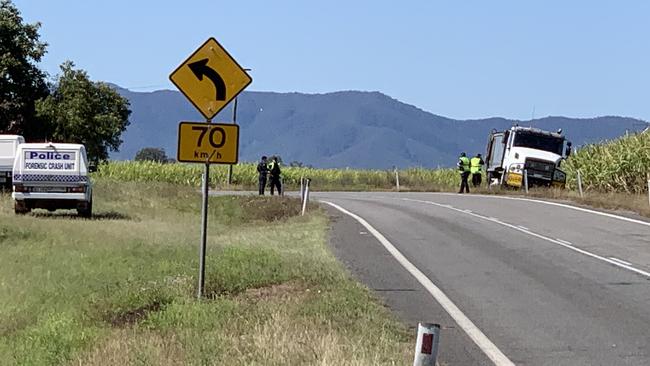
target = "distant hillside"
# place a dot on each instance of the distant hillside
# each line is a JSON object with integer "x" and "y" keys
{"x": 342, "y": 129}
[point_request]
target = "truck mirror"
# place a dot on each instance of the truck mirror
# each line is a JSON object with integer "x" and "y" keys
{"x": 567, "y": 151}
{"x": 92, "y": 168}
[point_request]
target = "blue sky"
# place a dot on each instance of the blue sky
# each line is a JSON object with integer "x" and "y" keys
{"x": 462, "y": 59}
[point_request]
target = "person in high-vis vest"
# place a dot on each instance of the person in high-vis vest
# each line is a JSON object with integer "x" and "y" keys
{"x": 476, "y": 168}
{"x": 464, "y": 169}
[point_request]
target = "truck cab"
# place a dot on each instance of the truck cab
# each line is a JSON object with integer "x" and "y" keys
{"x": 533, "y": 152}
{"x": 8, "y": 146}
{"x": 52, "y": 176}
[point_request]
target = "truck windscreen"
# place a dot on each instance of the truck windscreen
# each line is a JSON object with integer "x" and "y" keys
{"x": 539, "y": 142}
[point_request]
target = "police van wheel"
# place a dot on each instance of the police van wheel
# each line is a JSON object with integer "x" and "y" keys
{"x": 20, "y": 208}
{"x": 86, "y": 212}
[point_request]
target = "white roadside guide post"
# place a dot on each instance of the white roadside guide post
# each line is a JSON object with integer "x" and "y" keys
{"x": 526, "y": 180}
{"x": 648, "y": 177}
{"x": 396, "y": 178}
{"x": 580, "y": 184}
{"x": 426, "y": 346}
{"x": 305, "y": 199}
{"x": 210, "y": 78}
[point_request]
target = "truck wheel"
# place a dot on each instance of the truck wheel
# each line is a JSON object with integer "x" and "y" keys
{"x": 20, "y": 208}
{"x": 86, "y": 212}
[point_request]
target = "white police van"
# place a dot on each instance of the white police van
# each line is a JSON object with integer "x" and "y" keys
{"x": 52, "y": 176}
{"x": 8, "y": 146}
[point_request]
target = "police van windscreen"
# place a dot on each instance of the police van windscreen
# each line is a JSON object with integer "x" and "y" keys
{"x": 7, "y": 149}
{"x": 539, "y": 142}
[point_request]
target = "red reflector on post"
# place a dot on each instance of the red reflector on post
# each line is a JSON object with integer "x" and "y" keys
{"x": 427, "y": 343}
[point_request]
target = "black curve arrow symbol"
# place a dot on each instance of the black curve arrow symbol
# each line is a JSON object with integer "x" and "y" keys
{"x": 200, "y": 68}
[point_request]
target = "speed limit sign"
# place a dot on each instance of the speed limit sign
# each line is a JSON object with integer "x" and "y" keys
{"x": 208, "y": 143}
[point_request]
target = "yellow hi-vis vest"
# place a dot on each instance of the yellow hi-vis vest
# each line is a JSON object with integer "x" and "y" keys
{"x": 464, "y": 161}
{"x": 475, "y": 165}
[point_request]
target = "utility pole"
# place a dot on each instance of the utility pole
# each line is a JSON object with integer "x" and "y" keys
{"x": 234, "y": 121}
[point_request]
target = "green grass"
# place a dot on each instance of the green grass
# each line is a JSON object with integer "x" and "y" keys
{"x": 120, "y": 288}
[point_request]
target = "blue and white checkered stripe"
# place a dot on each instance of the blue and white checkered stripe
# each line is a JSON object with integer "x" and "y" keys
{"x": 50, "y": 178}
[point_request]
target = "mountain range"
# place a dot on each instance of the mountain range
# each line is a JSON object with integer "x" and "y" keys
{"x": 342, "y": 129}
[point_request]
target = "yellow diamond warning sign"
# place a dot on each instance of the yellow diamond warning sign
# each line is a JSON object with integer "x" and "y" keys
{"x": 210, "y": 78}
{"x": 211, "y": 143}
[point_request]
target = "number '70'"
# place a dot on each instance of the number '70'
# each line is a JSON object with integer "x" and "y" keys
{"x": 215, "y": 133}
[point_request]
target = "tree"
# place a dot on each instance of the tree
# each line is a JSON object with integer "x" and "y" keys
{"x": 21, "y": 82}
{"x": 82, "y": 111}
{"x": 299, "y": 164}
{"x": 152, "y": 154}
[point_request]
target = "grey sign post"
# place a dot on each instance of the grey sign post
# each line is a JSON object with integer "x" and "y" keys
{"x": 204, "y": 228}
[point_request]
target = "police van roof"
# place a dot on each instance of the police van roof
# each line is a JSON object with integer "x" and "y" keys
{"x": 51, "y": 145}
{"x": 10, "y": 137}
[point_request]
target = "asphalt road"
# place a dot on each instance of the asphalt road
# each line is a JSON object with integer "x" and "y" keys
{"x": 529, "y": 283}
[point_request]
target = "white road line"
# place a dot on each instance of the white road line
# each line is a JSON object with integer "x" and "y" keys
{"x": 620, "y": 261}
{"x": 523, "y": 228}
{"x": 564, "y": 242}
{"x": 481, "y": 340}
{"x": 582, "y": 251}
{"x": 622, "y": 218}
{"x": 468, "y": 211}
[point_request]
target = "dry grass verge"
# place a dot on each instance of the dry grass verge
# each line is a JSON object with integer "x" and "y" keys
{"x": 620, "y": 203}
{"x": 615, "y": 202}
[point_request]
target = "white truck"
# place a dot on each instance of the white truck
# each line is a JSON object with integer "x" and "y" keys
{"x": 52, "y": 176}
{"x": 520, "y": 151}
{"x": 8, "y": 146}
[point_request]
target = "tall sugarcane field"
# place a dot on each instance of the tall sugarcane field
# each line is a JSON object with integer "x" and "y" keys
{"x": 619, "y": 165}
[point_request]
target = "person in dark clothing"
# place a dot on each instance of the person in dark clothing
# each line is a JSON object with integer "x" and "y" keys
{"x": 463, "y": 168}
{"x": 274, "y": 176}
{"x": 263, "y": 170}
